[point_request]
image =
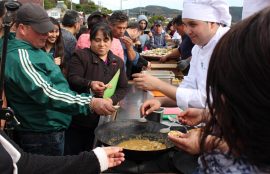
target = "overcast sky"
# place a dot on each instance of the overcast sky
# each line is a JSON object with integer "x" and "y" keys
{"x": 127, "y": 4}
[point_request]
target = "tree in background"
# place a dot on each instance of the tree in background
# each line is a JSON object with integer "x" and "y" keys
{"x": 48, "y": 4}
{"x": 87, "y": 7}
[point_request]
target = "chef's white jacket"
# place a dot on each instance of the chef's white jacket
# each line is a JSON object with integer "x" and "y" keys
{"x": 192, "y": 92}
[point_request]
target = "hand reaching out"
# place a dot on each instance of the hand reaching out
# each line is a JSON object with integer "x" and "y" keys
{"x": 191, "y": 116}
{"x": 102, "y": 106}
{"x": 98, "y": 88}
{"x": 189, "y": 142}
{"x": 115, "y": 156}
{"x": 149, "y": 106}
{"x": 145, "y": 81}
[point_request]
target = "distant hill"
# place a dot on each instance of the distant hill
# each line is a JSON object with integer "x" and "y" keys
{"x": 151, "y": 10}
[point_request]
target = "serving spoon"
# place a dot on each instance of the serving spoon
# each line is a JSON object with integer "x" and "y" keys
{"x": 173, "y": 120}
{"x": 167, "y": 129}
{"x": 177, "y": 121}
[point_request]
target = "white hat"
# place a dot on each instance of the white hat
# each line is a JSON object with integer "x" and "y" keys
{"x": 207, "y": 10}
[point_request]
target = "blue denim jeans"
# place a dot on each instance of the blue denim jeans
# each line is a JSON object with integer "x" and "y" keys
{"x": 51, "y": 143}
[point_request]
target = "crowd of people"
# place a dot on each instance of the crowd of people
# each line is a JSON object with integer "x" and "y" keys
{"x": 43, "y": 102}
{"x": 57, "y": 85}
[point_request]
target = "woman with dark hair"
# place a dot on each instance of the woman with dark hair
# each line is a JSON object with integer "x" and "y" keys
{"x": 237, "y": 135}
{"x": 15, "y": 160}
{"x": 54, "y": 43}
{"x": 90, "y": 69}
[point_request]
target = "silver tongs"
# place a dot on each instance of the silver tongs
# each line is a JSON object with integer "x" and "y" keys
{"x": 187, "y": 127}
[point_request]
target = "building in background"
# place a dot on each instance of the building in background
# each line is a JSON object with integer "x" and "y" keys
{"x": 59, "y": 11}
{"x": 55, "y": 13}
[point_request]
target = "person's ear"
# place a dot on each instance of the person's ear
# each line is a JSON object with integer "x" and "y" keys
{"x": 22, "y": 29}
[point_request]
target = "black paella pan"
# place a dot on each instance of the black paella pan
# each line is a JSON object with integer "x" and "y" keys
{"x": 113, "y": 133}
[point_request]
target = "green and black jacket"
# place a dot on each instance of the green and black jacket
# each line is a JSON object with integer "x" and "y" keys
{"x": 38, "y": 92}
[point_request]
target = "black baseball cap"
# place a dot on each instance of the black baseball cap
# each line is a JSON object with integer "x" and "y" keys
{"x": 35, "y": 16}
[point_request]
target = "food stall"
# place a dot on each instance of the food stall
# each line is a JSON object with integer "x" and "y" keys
{"x": 169, "y": 160}
{"x": 127, "y": 126}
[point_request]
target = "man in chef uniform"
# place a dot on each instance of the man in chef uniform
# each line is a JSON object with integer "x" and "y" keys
{"x": 206, "y": 22}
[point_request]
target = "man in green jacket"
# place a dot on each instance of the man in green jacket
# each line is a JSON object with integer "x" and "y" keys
{"x": 36, "y": 89}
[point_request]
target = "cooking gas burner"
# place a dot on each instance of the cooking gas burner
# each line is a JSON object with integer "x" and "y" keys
{"x": 173, "y": 161}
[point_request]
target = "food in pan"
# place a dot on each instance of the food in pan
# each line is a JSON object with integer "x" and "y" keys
{"x": 158, "y": 52}
{"x": 175, "y": 133}
{"x": 142, "y": 145}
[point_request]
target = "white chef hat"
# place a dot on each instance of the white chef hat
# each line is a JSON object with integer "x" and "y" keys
{"x": 207, "y": 10}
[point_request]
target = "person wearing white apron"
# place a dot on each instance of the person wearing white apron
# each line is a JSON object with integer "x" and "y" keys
{"x": 206, "y": 22}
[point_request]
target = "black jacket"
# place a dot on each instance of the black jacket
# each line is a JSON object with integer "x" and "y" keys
{"x": 85, "y": 66}
{"x": 84, "y": 163}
